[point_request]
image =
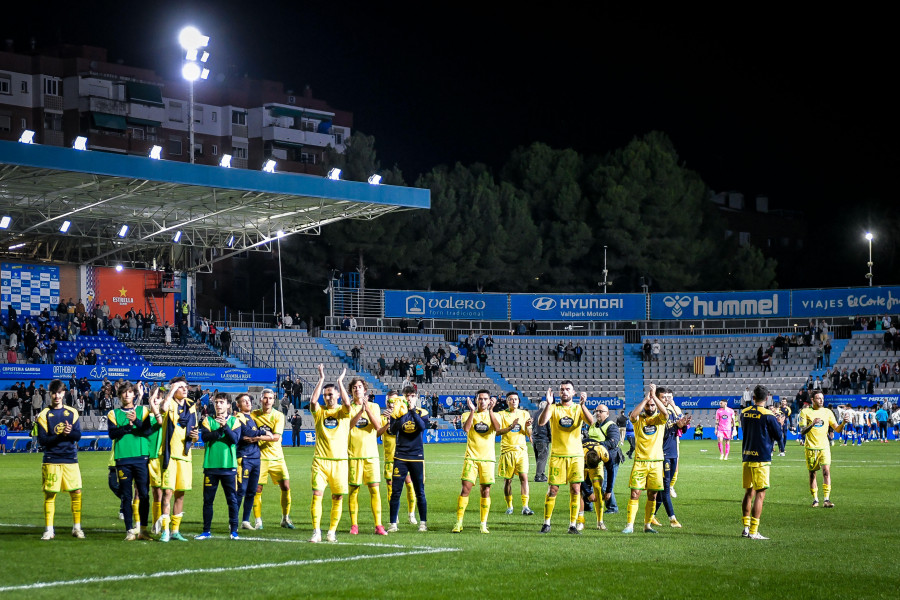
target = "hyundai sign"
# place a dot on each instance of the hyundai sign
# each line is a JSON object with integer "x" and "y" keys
{"x": 847, "y": 302}
{"x": 578, "y": 307}
{"x": 720, "y": 305}
{"x": 445, "y": 305}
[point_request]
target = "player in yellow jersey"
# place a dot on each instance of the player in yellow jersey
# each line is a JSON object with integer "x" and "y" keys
{"x": 482, "y": 426}
{"x": 815, "y": 421}
{"x": 396, "y": 408}
{"x": 329, "y": 465}
{"x": 649, "y": 418}
{"x": 514, "y": 452}
{"x": 566, "y": 454}
{"x": 595, "y": 455}
{"x": 180, "y": 429}
{"x": 363, "y": 467}
{"x": 272, "y": 465}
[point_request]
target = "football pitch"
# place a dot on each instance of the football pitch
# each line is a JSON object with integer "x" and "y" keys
{"x": 812, "y": 553}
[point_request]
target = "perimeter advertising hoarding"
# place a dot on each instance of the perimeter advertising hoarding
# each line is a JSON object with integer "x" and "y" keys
{"x": 112, "y": 372}
{"x": 720, "y": 305}
{"x": 847, "y": 302}
{"x": 445, "y": 305}
{"x": 857, "y": 401}
{"x": 578, "y": 307}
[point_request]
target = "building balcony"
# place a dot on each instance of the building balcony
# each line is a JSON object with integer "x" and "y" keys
{"x": 102, "y": 105}
{"x": 296, "y": 137}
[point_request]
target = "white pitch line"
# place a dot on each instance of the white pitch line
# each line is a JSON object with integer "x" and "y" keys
{"x": 304, "y": 541}
{"x": 161, "y": 574}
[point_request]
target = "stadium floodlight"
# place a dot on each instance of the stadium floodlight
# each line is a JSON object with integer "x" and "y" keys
{"x": 205, "y": 57}
{"x": 177, "y": 237}
{"x": 230, "y": 241}
{"x": 869, "y": 236}
{"x": 334, "y": 174}
{"x": 204, "y": 74}
{"x": 870, "y": 264}
{"x": 226, "y": 161}
{"x": 190, "y": 38}
{"x": 27, "y": 137}
{"x": 156, "y": 152}
{"x": 119, "y": 268}
{"x": 269, "y": 167}
{"x": 5, "y": 221}
{"x": 190, "y": 71}
{"x": 191, "y": 54}
{"x": 17, "y": 246}
{"x": 64, "y": 228}
{"x": 123, "y": 231}
{"x": 279, "y": 233}
{"x": 80, "y": 143}
{"x": 375, "y": 179}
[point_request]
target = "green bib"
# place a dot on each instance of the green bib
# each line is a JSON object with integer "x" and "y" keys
{"x": 220, "y": 455}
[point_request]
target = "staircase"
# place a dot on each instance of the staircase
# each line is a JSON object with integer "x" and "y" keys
{"x": 375, "y": 384}
{"x": 634, "y": 375}
{"x": 506, "y": 386}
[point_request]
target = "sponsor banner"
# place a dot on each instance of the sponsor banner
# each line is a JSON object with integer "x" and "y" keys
{"x": 449, "y": 402}
{"x": 445, "y": 305}
{"x": 856, "y": 401}
{"x": 611, "y": 402}
{"x": 578, "y": 307}
{"x": 688, "y": 403}
{"x": 28, "y": 288}
{"x": 720, "y": 305}
{"x": 847, "y": 302}
{"x": 444, "y": 436}
{"x": 124, "y": 290}
{"x": 98, "y": 372}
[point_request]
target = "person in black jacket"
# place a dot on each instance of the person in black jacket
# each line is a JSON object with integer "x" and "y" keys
{"x": 540, "y": 439}
{"x": 409, "y": 457}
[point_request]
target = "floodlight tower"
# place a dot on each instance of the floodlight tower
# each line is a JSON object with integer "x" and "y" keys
{"x": 869, "y": 238}
{"x": 192, "y": 41}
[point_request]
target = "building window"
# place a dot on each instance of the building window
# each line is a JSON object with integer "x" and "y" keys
{"x": 215, "y": 117}
{"x": 137, "y": 134}
{"x": 174, "y": 147}
{"x": 239, "y": 152}
{"x": 24, "y": 123}
{"x": 308, "y": 158}
{"x": 176, "y": 112}
{"x": 198, "y": 149}
{"x": 24, "y": 86}
{"x": 239, "y": 118}
{"x": 215, "y": 148}
{"x": 51, "y": 87}
{"x": 198, "y": 114}
{"x": 5, "y": 87}
{"x": 53, "y": 121}
{"x": 5, "y": 123}
{"x": 743, "y": 238}
{"x": 309, "y": 125}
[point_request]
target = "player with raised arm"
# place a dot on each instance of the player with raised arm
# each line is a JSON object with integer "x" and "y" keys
{"x": 409, "y": 456}
{"x": 677, "y": 422}
{"x": 59, "y": 430}
{"x": 514, "y": 451}
{"x": 566, "y": 452}
{"x": 220, "y": 434}
{"x": 248, "y": 458}
{"x": 761, "y": 428}
{"x": 481, "y": 426}
{"x": 363, "y": 467}
{"x": 815, "y": 421}
{"x": 180, "y": 429}
{"x": 724, "y": 428}
{"x": 329, "y": 465}
{"x": 648, "y": 417}
{"x": 272, "y": 465}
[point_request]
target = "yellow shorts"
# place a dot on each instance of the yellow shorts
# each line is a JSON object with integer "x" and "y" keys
{"x": 756, "y": 475}
{"x": 478, "y": 471}
{"x": 61, "y": 477}
{"x": 646, "y": 474}
{"x": 816, "y": 459}
{"x": 276, "y": 469}
{"x": 179, "y": 476}
{"x": 331, "y": 474}
{"x": 154, "y": 472}
{"x": 512, "y": 463}
{"x": 566, "y": 469}
{"x": 363, "y": 471}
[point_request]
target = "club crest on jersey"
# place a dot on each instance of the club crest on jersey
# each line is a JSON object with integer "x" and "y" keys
{"x": 362, "y": 423}
{"x": 649, "y": 429}
{"x": 330, "y": 422}
{"x": 409, "y": 427}
{"x": 60, "y": 428}
{"x": 482, "y": 427}
{"x": 66, "y": 413}
{"x": 566, "y": 422}
{"x": 516, "y": 428}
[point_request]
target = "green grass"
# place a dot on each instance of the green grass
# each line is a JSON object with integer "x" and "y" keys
{"x": 813, "y": 552}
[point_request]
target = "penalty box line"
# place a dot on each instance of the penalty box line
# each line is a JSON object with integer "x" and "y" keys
{"x": 215, "y": 570}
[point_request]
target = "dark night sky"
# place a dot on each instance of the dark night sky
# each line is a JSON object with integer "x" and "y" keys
{"x": 800, "y": 108}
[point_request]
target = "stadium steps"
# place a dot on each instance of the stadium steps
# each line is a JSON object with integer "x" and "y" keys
{"x": 634, "y": 374}
{"x": 374, "y": 382}
{"x": 504, "y": 385}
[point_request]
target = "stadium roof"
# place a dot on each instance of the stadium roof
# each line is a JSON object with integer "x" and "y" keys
{"x": 219, "y": 211}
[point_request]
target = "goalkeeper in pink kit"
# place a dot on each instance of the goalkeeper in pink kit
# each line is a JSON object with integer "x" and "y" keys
{"x": 724, "y": 427}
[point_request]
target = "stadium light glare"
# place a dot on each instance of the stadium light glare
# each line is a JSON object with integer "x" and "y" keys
{"x": 190, "y": 38}
{"x": 230, "y": 242}
{"x": 279, "y": 233}
{"x": 156, "y": 152}
{"x": 226, "y": 161}
{"x": 375, "y": 179}
{"x": 334, "y": 174}
{"x": 5, "y": 221}
{"x": 870, "y": 264}
{"x": 190, "y": 71}
{"x": 191, "y": 54}
{"x": 16, "y": 246}
{"x": 119, "y": 268}
{"x": 205, "y": 57}
{"x": 123, "y": 231}
{"x": 269, "y": 167}
{"x": 869, "y": 236}
{"x": 177, "y": 237}
{"x": 204, "y": 74}
{"x": 80, "y": 143}
{"x": 27, "y": 137}
{"x": 64, "y": 228}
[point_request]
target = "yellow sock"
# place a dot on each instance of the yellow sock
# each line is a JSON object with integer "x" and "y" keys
{"x": 754, "y": 525}
{"x": 390, "y": 488}
{"x": 337, "y": 507}
{"x": 509, "y": 503}
{"x": 826, "y": 491}
{"x": 485, "y": 509}
{"x": 257, "y": 505}
{"x": 549, "y": 503}
{"x": 315, "y": 511}
{"x": 411, "y": 496}
{"x": 746, "y": 521}
{"x": 674, "y": 479}
{"x": 49, "y": 508}
{"x": 573, "y": 507}
{"x": 649, "y": 507}
{"x": 815, "y": 493}
{"x": 461, "y": 505}
{"x": 165, "y": 522}
{"x": 285, "y": 502}
{"x": 632, "y": 511}
{"x": 580, "y": 518}
{"x": 599, "y": 505}
{"x": 176, "y": 522}
{"x": 524, "y": 501}
{"x": 157, "y": 509}
{"x": 135, "y": 504}
{"x": 76, "y": 507}
{"x": 354, "y": 504}
{"x": 375, "y": 495}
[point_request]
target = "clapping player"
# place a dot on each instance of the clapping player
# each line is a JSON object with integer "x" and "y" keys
{"x": 481, "y": 426}
{"x": 180, "y": 430}
{"x": 649, "y": 417}
{"x": 220, "y": 434}
{"x": 363, "y": 453}
{"x": 516, "y": 425}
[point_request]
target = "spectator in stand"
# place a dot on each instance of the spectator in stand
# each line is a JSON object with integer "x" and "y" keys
{"x": 854, "y": 381}
{"x": 355, "y": 354}
{"x": 570, "y": 352}
{"x": 382, "y": 365}
{"x": 655, "y": 350}
{"x": 645, "y": 351}
{"x": 826, "y": 383}
{"x": 766, "y": 362}
{"x": 352, "y": 325}
{"x": 845, "y": 382}
{"x": 532, "y": 327}
{"x": 167, "y": 333}
{"x": 404, "y": 325}
{"x": 225, "y": 338}
{"x": 729, "y": 363}
{"x": 482, "y": 360}
{"x": 420, "y": 325}
{"x": 213, "y": 336}
{"x": 296, "y": 424}
{"x": 420, "y": 371}
{"x": 204, "y": 330}
{"x": 579, "y": 351}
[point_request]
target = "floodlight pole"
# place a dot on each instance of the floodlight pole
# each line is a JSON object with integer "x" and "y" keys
{"x": 869, "y": 237}
{"x": 191, "y": 119}
{"x": 280, "y": 282}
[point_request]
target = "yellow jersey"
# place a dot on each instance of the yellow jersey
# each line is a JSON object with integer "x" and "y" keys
{"x": 332, "y": 432}
{"x": 480, "y": 444}
{"x": 817, "y": 437}
{"x": 269, "y": 423}
{"x": 515, "y": 438}
{"x": 363, "y": 437}
{"x": 565, "y": 430}
{"x": 648, "y": 436}
{"x": 174, "y": 413}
